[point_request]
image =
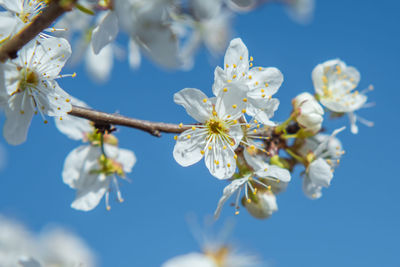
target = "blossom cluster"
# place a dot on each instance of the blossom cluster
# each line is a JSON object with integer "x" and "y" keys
{"x": 168, "y": 32}
{"x": 240, "y": 142}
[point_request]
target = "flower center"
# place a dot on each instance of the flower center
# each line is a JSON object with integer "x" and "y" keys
{"x": 216, "y": 126}
{"x": 219, "y": 256}
{"x": 29, "y": 78}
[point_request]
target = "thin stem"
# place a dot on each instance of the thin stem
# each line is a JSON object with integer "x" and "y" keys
{"x": 42, "y": 21}
{"x": 99, "y": 117}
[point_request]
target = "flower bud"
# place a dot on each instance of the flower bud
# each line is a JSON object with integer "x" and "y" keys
{"x": 261, "y": 205}
{"x": 308, "y": 112}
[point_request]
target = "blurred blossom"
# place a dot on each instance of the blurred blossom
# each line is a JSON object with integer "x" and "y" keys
{"x": 52, "y": 247}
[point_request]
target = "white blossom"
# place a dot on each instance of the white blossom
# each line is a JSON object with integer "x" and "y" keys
{"x": 219, "y": 134}
{"x": 335, "y": 84}
{"x": 309, "y": 114}
{"x": 214, "y": 254}
{"x": 211, "y": 25}
{"x": 94, "y": 175}
{"x": 22, "y": 12}
{"x": 54, "y": 247}
{"x": 30, "y": 86}
{"x": 269, "y": 174}
{"x": 260, "y": 83}
{"x": 241, "y": 5}
{"x": 323, "y": 154}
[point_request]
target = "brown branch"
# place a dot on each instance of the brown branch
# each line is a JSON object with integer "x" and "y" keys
{"x": 43, "y": 20}
{"x": 103, "y": 118}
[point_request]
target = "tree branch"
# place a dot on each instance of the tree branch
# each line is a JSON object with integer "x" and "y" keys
{"x": 103, "y": 118}
{"x": 42, "y": 21}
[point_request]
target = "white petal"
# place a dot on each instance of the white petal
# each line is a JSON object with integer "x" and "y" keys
{"x": 310, "y": 189}
{"x": 7, "y": 25}
{"x": 74, "y": 127}
{"x": 229, "y": 190}
{"x": 265, "y": 206}
{"x": 134, "y": 54}
{"x": 205, "y": 9}
{"x": 51, "y": 55}
{"x": 230, "y": 102}
{"x": 99, "y": 66}
{"x": 353, "y": 123}
{"x": 188, "y": 147}
{"x": 324, "y": 145}
{"x": 15, "y": 129}
{"x": 195, "y": 102}
{"x": 15, "y": 6}
{"x": 220, "y": 161}
{"x": 320, "y": 173}
{"x": 91, "y": 191}
{"x": 29, "y": 262}
{"x": 190, "y": 260}
{"x": 77, "y": 162}
{"x": 263, "y": 110}
{"x": 160, "y": 43}
{"x": 237, "y": 54}
{"x": 127, "y": 158}
{"x": 268, "y": 79}
{"x": 220, "y": 79}
{"x": 105, "y": 32}
{"x": 274, "y": 172}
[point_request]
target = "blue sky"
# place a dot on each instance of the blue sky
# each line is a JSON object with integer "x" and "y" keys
{"x": 355, "y": 223}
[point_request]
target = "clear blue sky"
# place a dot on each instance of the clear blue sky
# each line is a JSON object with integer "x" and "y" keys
{"x": 355, "y": 223}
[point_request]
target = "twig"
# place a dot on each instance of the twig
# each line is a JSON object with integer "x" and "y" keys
{"x": 98, "y": 117}
{"x": 41, "y": 22}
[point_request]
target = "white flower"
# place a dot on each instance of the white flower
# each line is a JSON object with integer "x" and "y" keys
{"x": 309, "y": 114}
{"x": 219, "y": 134}
{"x": 323, "y": 154}
{"x": 57, "y": 247}
{"x": 31, "y": 87}
{"x": 92, "y": 174}
{"x": 215, "y": 255}
{"x": 210, "y": 25}
{"x": 264, "y": 206}
{"x": 191, "y": 259}
{"x": 23, "y": 11}
{"x": 259, "y": 182}
{"x": 334, "y": 83}
{"x": 261, "y": 83}
{"x": 148, "y": 26}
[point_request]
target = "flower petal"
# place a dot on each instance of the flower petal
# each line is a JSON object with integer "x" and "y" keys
{"x": 191, "y": 259}
{"x": 99, "y": 66}
{"x": 229, "y": 190}
{"x": 51, "y": 56}
{"x": 220, "y": 159}
{"x": 236, "y": 54}
{"x": 89, "y": 194}
{"x": 105, "y": 32}
{"x": 188, "y": 147}
{"x": 320, "y": 173}
{"x": 268, "y": 79}
{"x": 231, "y": 101}
{"x": 134, "y": 54}
{"x": 126, "y": 158}
{"x": 74, "y": 127}
{"x": 195, "y": 102}
{"x": 15, "y": 129}
{"x": 310, "y": 189}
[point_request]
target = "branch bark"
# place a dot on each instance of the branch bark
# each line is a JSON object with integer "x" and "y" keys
{"x": 43, "y": 20}
{"x": 103, "y": 118}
